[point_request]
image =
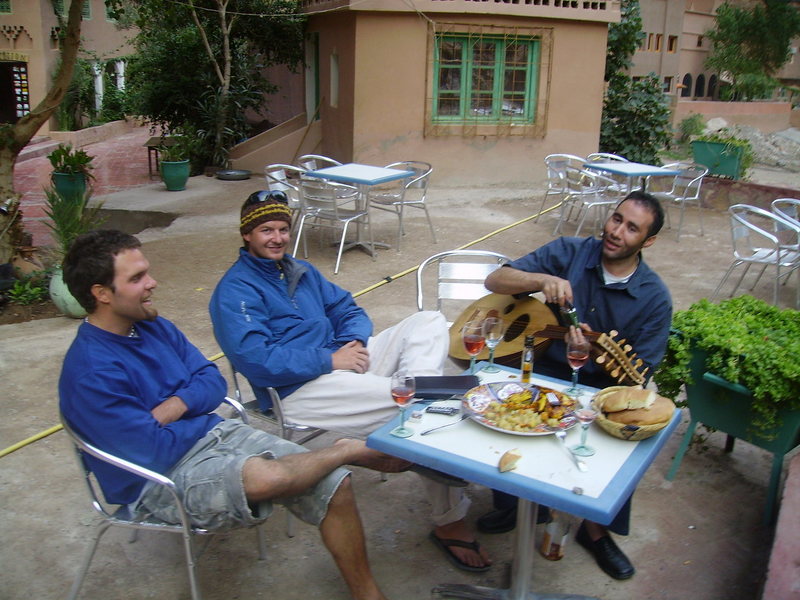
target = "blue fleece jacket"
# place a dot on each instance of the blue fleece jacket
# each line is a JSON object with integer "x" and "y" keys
{"x": 110, "y": 383}
{"x": 280, "y": 323}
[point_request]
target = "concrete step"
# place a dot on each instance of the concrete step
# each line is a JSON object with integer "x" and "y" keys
{"x": 39, "y": 145}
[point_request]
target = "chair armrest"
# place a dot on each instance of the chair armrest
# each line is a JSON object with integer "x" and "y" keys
{"x": 238, "y": 407}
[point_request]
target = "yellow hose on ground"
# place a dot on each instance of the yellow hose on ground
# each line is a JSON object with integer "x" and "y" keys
{"x": 55, "y": 428}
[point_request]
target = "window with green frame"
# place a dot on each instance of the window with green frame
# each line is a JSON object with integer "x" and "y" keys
{"x": 485, "y": 78}
{"x": 5, "y": 7}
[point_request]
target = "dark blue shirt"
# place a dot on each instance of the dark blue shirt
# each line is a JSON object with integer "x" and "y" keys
{"x": 640, "y": 310}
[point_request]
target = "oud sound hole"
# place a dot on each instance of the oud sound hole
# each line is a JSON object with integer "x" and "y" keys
{"x": 517, "y": 327}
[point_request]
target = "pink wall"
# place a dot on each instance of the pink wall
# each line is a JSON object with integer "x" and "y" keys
{"x": 766, "y": 116}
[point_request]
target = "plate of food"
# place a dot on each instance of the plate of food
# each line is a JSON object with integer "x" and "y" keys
{"x": 520, "y": 408}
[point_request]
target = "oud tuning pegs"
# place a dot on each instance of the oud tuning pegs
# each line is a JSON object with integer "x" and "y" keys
{"x": 602, "y": 358}
{"x": 627, "y": 348}
{"x": 613, "y": 333}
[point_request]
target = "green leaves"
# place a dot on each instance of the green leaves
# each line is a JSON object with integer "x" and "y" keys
{"x": 66, "y": 160}
{"x": 749, "y": 342}
{"x": 752, "y": 41}
{"x": 635, "y": 119}
{"x": 70, "y": 218}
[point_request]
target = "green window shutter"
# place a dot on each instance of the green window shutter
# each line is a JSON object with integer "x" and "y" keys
{"x": 485, "y": 78}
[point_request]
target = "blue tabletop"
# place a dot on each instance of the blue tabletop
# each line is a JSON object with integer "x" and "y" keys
{"x": 630, "y": 169}
{"x": 471, "y": 451}
{"x": 358, "y": 173}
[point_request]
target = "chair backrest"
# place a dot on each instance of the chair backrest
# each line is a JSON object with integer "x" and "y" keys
{"x": 417, "y": 184}
{"x": 788, "y": 208}
{"x": 605, "y": 157}
{"x": 751, "y": 233}
{"x": 687, "y": 183}
{"x": 459, "y": 278}
{"x": 285, "y": 178}
{"x": 318, "y": 195}
{"x": 312, "y": 162}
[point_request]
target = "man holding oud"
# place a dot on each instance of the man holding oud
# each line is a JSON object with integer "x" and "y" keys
{"x": 611, "y": 288}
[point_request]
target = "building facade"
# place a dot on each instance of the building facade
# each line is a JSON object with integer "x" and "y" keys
{"x": 481, "y": 90}
{"x": 30, "y": 51}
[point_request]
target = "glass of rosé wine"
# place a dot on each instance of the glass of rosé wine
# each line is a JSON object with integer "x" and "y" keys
{"x": 577, "y": 355}
{"x": 474, "y": 340}
{"x": 403, "y": 389}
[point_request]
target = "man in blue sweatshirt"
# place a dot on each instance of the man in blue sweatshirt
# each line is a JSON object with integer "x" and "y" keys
{"x": 133, "y": 385}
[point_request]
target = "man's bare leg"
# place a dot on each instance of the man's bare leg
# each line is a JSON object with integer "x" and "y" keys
{"x": 341, "y": 529}
{"x": 343, "y": 536}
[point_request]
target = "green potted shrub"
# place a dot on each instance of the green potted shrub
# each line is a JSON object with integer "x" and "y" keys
{"x": 71, "y": 171}
{"x": 724, "y": 154}
{"x": 68, "y": 219}
{"x": 739, "y": 362}
{"x": 175, "y": 154}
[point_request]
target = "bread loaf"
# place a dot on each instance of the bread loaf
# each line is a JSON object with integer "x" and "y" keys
{"x": 626, "y": 398}
{"x": 659, "y": 411}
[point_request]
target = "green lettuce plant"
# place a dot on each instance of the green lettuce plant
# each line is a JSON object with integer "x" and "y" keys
{"x": 748, "y": 342}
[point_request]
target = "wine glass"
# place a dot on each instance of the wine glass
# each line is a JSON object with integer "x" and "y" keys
{"x": 403, "y": 388}
{"x": 586, "y": 415}
{"x": 494, "y": 329}
{"x": 577, "y": 355}
{"x": 472, "y": 336}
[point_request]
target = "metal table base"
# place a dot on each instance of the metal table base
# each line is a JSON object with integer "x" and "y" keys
{"x": 521, "y": 569}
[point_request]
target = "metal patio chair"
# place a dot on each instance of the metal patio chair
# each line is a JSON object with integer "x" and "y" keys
{"x": 589, "y": 192}
{"x": 685, "y": 190}
{"x": 411, "y": 192}
{"x": 122, "y": 517}
{"x": 459, "y": 278}
{"x": 755, "y": 243}
{"x": 556, "y": 165}
{"x": 322, "y": 207}
{"x": 788, "y": 209}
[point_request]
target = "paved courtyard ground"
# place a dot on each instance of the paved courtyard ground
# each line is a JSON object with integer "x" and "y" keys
{"x": 699, "y": 536}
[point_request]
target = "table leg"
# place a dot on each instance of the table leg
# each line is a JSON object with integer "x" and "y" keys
{"x": 521, "y": 568}
{"x": 367, "y": 245}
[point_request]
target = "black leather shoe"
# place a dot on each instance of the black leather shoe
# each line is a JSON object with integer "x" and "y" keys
{"x": 607, "y": 554}
{"x": 498, "y": 521}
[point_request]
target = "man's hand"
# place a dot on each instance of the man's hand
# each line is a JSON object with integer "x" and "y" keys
{"x": 353, "y": 356}
{"x": 169, "y": 411}
{"x": 556, "y": 290}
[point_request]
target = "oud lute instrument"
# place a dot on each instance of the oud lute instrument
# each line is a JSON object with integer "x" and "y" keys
{"x": 523, "y": 316}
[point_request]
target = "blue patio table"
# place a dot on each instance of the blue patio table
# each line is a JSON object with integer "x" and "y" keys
{"x": 544, "y": 474}
{"x": 631, "y": 170}
{"x": 363, "y": 177}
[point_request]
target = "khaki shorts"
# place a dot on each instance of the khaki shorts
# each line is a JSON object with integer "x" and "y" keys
{"x": 209, "y": 477}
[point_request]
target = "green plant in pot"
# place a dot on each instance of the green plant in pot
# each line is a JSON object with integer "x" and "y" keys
{"x": 175, "y": 154}
{"x": 67, "y": 220}
{"x": 739, "y": 363}
{"x": 71, "y": 171}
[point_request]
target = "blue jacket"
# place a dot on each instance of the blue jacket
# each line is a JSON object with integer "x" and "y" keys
{"x": 640, "y": 310}
{"x": 110, "y": 383}
{"x": 279, "y": 327}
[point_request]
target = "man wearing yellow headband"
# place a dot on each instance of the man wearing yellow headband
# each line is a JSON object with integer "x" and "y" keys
{"x": 282, "y": 324}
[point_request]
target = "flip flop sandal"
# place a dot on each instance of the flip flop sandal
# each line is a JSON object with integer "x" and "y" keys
{"x": 444, "y": 545}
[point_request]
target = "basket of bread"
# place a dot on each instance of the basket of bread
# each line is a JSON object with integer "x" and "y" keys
{"x": 632, "y": 413}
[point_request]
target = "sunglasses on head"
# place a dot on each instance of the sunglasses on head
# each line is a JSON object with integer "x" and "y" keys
{"x": 266, "y": 196}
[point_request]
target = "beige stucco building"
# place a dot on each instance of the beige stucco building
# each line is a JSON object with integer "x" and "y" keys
{"x": 482, "y": 90}
{"x": 29, "y": 51}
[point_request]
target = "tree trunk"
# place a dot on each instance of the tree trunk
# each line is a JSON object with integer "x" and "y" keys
{"x": 13, "y": 138}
